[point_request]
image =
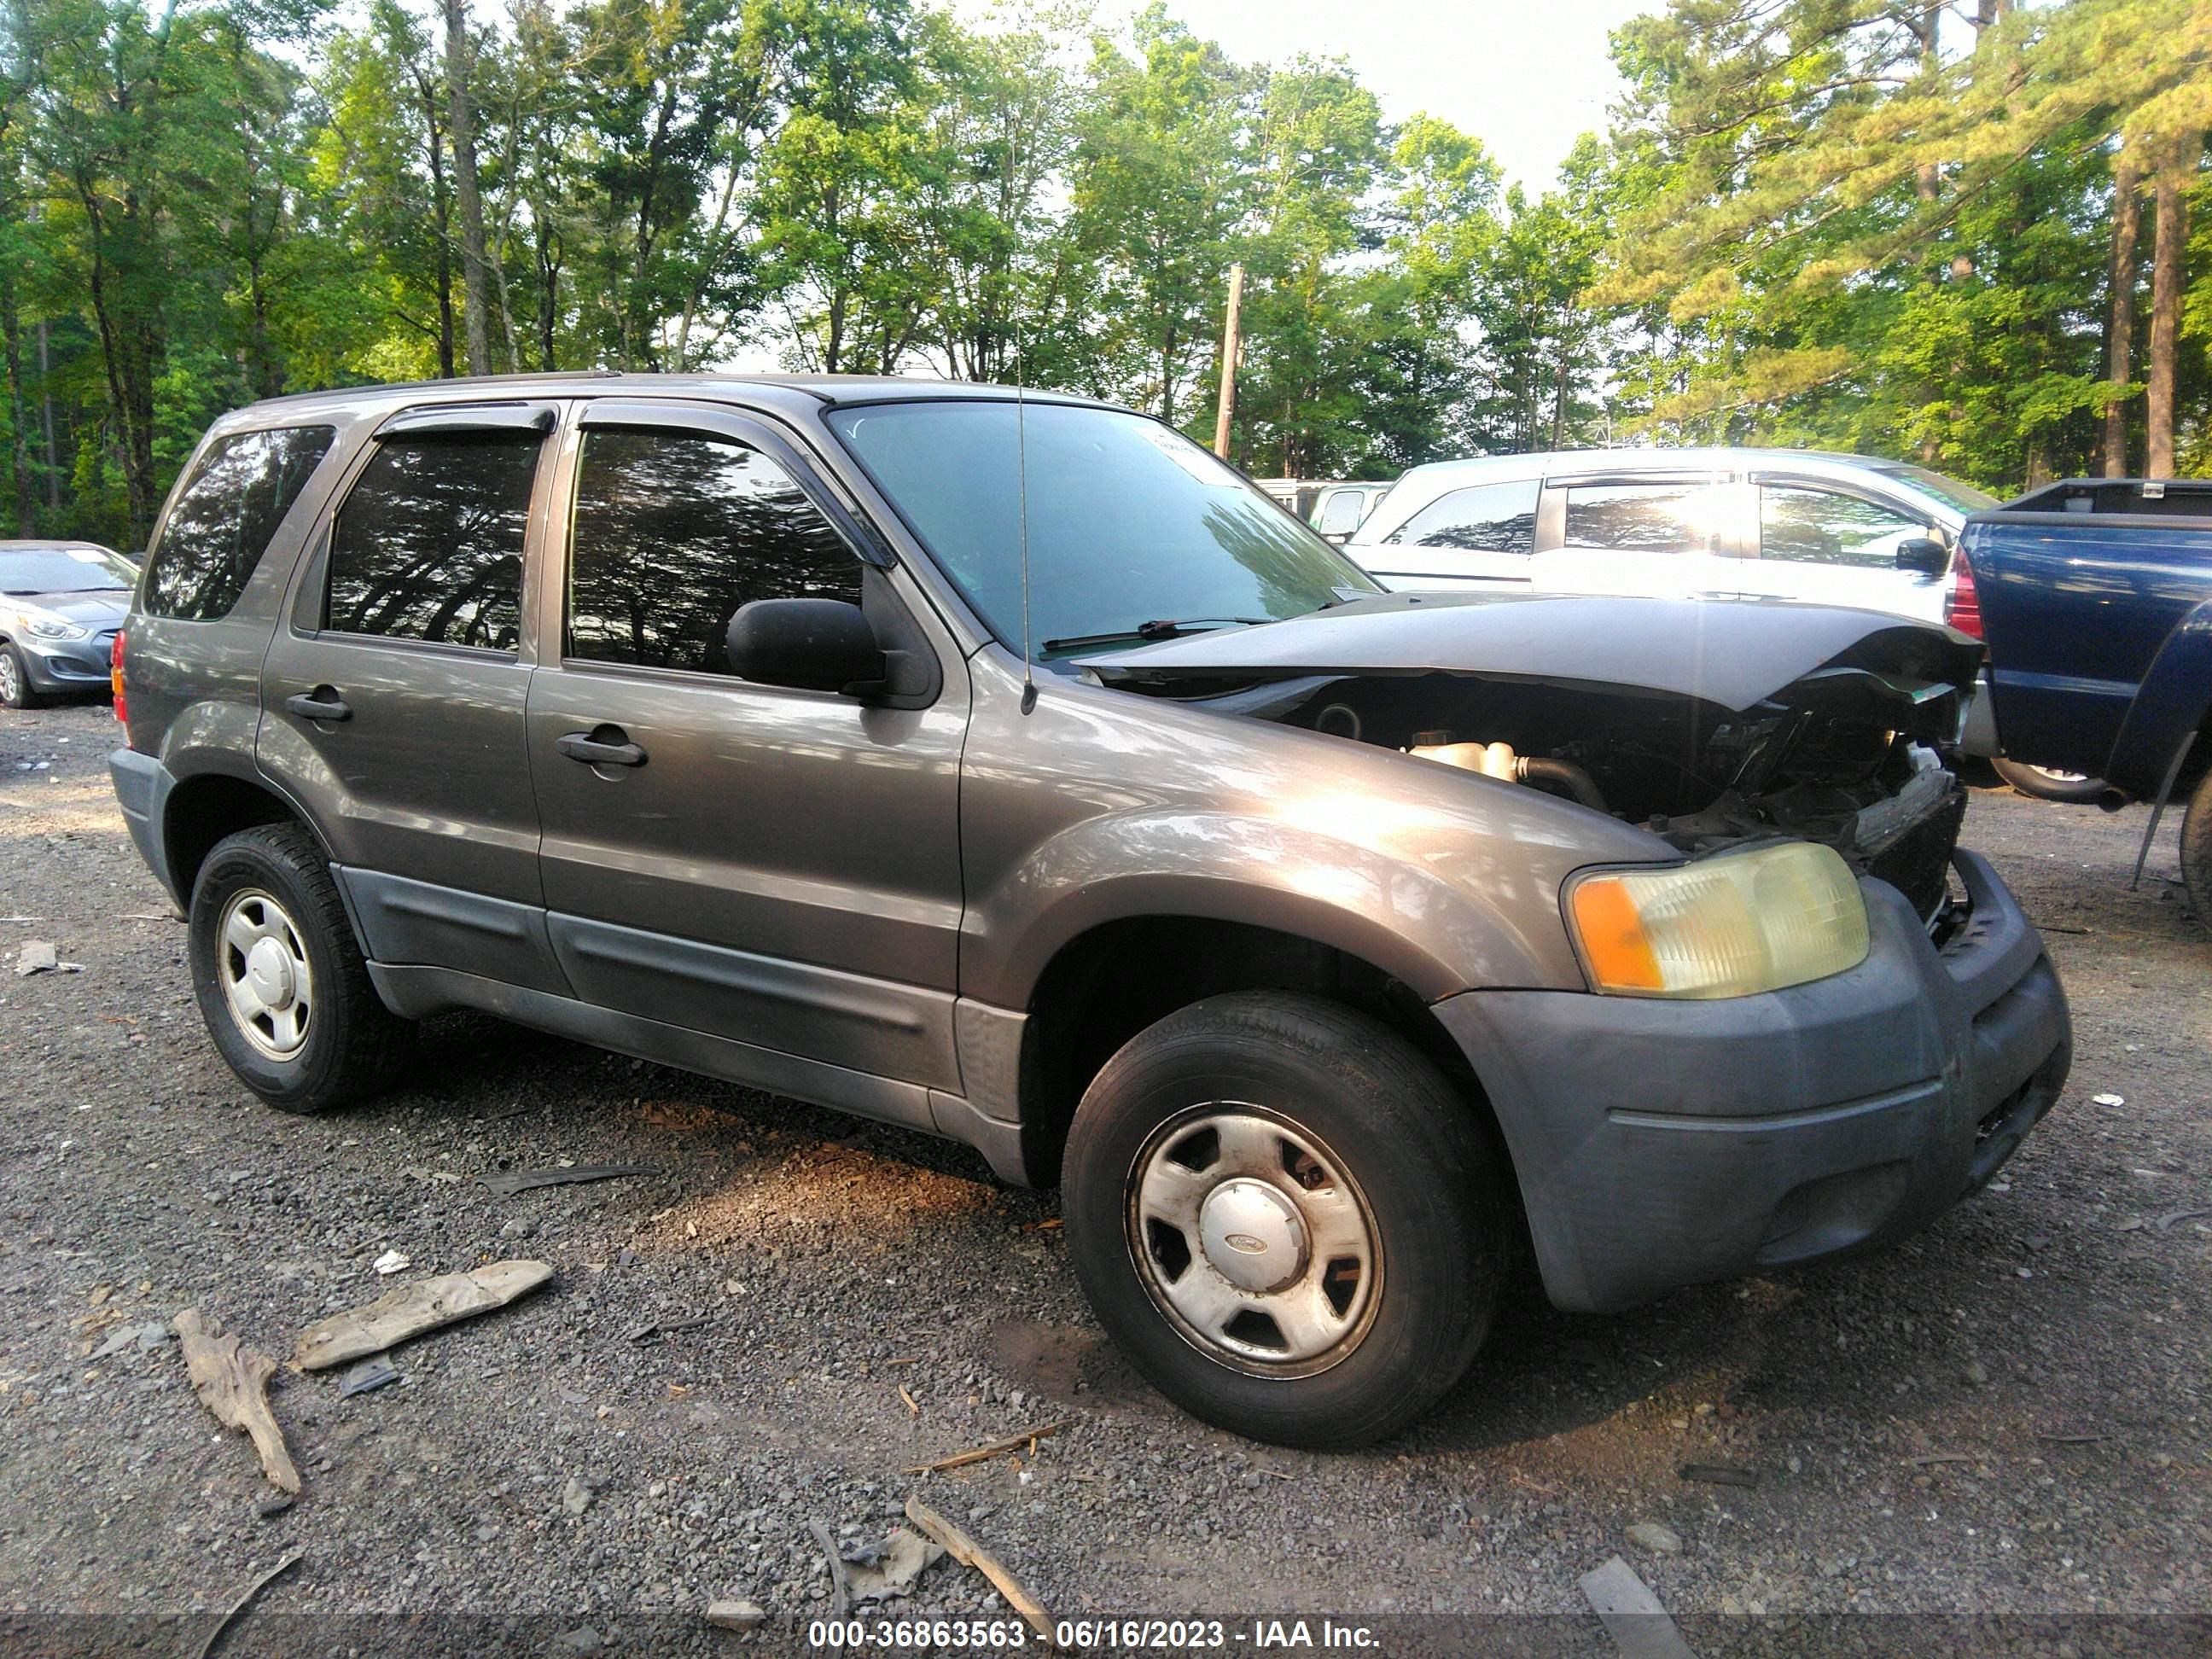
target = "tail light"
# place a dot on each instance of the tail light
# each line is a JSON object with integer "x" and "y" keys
{"x": 1961, "y": 611}
{"x": 115, "y": 684}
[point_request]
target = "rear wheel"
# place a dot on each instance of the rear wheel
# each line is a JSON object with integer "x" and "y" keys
{"x": 280, "y": 982}
{"x": 2048, "y": 783}
{"x": 1287, "y": 1218}
{"x": 2197, "y": 851}
{"x": 16, "y": 690}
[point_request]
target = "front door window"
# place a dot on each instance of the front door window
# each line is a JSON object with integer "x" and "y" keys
{"x": 674, "y": 530}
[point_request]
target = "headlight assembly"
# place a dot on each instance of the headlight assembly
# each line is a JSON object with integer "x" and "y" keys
{"x": 1728, "y": 926}
{"x": 41, "y": 626}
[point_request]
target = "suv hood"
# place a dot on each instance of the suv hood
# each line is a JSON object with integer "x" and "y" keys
{"x": 1707, "y": 722}
{"x": 1731, "y": 654}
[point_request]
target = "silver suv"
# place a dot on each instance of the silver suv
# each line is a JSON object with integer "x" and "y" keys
{"x": 1328, "y": 948}
{"x": 1787, "y": 524}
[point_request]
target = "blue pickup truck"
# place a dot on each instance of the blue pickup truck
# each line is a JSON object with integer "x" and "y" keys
{"x": 2095, "y": 599}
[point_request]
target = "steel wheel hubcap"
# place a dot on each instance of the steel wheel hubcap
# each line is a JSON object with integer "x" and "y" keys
{"x": 266, "y": 979}
{"x": 1253, "y": 1240}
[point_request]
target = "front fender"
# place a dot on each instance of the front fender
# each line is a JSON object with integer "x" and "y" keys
{"x": 1419, "y": 912}
{"x": 2170, "y": 705}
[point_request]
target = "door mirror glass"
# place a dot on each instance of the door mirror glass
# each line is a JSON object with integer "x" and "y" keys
{"x": 810, "y": 645}
{"x": 1925, "y": 555}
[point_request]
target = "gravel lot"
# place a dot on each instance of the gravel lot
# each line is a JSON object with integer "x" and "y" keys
{"x": 2005, "y": 1416}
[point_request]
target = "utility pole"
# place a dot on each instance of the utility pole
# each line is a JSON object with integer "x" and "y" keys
{"x": 1230, "y": 345}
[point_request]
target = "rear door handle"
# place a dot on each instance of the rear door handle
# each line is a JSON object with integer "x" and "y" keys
{"x": 603, "y": 745}
{"x": 323, "y": 703}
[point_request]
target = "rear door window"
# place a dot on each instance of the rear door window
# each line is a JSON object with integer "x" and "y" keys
{"x": 673, "y": 531}
{"x": 223, "y": 518}
{"x": 428, "y": 545}
{"x": 1499, "y": 518}
{"x": 1654, "y": 518}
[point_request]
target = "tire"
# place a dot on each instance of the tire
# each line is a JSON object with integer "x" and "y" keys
{"x": 2045, "y": 784}
{"x": 1260, "y": 1124}
{"x": 322, "y": 1036}
{"x": 16, "y": 690}
{"x": 2197, "y": 851}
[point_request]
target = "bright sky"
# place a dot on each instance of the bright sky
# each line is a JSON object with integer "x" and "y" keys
{"x": 1526, "y": 78}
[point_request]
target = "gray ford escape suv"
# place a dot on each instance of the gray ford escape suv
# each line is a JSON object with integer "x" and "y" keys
{"x": 1326, "y": 946}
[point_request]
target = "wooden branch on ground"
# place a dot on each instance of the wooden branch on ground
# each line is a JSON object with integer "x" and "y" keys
{"x": 413, "y": 1308}
{"x": 232, "y": 1383}
{"x": 969, "y": 1553}
{"x": 996, "y": 1449}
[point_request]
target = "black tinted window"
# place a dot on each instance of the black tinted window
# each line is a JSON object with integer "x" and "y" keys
{"x": 224, "y": 516}
{"x": 428, "y": 543}
{"x": 674, "y": 532}
{"x": 1653, "y": 518}
{"x": 1499, "y": 518}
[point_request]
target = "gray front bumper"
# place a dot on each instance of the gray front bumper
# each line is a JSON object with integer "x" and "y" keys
{"x": 69, "y": 665}
{"x": 1660, "y": 1144}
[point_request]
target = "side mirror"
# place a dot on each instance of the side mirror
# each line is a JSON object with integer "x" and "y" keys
{"x": 813, "y": 645}
{"x": 1923, "y": 554}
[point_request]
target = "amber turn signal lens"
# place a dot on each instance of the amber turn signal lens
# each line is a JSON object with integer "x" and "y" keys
{"x": 1612, "y": 933}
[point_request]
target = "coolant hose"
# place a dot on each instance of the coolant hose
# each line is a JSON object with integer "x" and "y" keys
{"x": 1569, "y": 776}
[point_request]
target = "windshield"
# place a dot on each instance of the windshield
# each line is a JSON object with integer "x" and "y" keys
{"x": 63, "y": 570}
{"x": 1129, "y": 522}
{"x": 1964, "y": 496}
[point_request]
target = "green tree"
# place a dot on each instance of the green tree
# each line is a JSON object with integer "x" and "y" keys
{"x": 1160, "y": 183}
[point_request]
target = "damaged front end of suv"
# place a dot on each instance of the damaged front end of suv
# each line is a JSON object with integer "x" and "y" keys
{"x": 1708, "y": 723}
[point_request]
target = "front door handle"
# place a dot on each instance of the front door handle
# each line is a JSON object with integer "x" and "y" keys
{"x": 603, "y": 745}
{"x": 323, "y": 703}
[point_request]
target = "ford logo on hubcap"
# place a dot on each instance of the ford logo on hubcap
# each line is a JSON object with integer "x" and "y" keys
{"x": 1245, "y": 1243}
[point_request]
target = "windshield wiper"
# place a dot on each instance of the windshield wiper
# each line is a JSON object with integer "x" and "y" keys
{"x": 1162, "y": 629}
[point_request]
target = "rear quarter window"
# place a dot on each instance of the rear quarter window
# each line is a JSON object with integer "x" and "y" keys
{"x": 222, "y": 521}
{"x": 1499, "y": 518}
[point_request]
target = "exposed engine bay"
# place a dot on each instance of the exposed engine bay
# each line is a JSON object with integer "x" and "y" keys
{"x": 1727, "y": 723}
{"x": 1882, "y": 798}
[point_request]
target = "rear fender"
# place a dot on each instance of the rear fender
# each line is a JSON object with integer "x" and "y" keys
{"x": 2170, "y": 705}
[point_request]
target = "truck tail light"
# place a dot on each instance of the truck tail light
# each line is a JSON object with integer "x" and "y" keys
{"x": 1963, "y": 609}
{"x": 115, "y": 684}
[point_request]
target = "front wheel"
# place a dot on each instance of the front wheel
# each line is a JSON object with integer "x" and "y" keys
{"x": 280, "y": 979}
{"x": 16, "y": 690}
{"x": 1286, "y": 1218}
{"x": 2197, "y": 851}
{"x": 2047, "y": 783}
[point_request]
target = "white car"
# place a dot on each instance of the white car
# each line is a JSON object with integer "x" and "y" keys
{"x": 1786, "y": 524}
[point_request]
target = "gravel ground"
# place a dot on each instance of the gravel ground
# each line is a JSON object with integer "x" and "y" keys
{"x": 2005, "y": 1416}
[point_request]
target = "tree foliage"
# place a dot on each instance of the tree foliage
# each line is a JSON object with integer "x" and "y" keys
{"x": 1883, "y": 225}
